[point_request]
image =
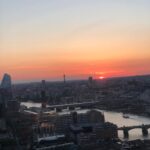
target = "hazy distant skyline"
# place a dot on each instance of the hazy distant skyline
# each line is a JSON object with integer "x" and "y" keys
{"x": 47, "y": 38}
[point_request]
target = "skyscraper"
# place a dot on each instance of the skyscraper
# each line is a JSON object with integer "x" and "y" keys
{"x": 64, "y": 76}
{"x": 6, "y": 87}
{"x": 43, "y": 93}
{"x": 43, "y": 85}
{"x": 90, "y": 81}
{"x": 6, "y": 81}
{"x": 5, "y": 91}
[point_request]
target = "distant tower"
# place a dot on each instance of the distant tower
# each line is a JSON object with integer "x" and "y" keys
{"x": 43, "y": 94}
{"x": 5, "y": 91}
{"x": 6, "y": 86}
{"x": 6, "y": 81}
{"x": 90, "y": 81}
{"x": 64, "y": 78}
{"x": 43, "y": 86}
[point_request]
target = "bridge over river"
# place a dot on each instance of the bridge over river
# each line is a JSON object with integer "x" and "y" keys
{"x": 126, "y": 129}
{"x": 91, "y": 104}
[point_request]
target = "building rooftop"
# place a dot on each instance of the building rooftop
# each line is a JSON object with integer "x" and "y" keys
{"x": 51, "y": 138}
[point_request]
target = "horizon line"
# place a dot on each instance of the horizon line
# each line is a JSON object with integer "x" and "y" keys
{"x": 73, "y": 79}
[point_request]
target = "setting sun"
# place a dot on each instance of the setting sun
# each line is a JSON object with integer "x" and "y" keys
{"x": 101, "y": 77}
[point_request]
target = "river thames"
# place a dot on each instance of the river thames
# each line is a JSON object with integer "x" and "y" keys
{"x": 118, "y": 119}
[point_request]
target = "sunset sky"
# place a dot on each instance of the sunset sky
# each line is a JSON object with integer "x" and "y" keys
{"x": 44, "y": 39}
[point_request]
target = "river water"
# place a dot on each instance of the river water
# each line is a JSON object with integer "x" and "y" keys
{"x": 116, "y": 118}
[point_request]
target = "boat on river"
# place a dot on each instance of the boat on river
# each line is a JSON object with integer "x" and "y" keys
{"x": 125, "y": 116}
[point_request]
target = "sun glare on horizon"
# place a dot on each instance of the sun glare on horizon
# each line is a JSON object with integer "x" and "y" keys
{"x": 101, "y": 77}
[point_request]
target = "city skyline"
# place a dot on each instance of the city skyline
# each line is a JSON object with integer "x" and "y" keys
{"x": 46, "y": 39}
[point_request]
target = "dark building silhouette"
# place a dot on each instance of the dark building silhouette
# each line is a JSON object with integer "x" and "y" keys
{"x": 5, "y": 92}
{"x": 6, "y": 81}
{"x": 64, "y": 78}
{"x": 6, "y": 87}
{"x": 43, "y": 94}
{"x": 90, "y": 81}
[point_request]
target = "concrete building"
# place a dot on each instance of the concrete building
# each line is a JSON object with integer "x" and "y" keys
{"x": 89, "y": 134}
{"x": 59, "y": 123}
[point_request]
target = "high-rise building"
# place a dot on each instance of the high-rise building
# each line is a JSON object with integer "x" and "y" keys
{"x": 5, "y": 94}
{"x": 43, "y": 94}
{"x": 64, "y": 78}
{"x": 43, "y": 85}
{"x": 6, "y": 89}
{"x": 6, "y": 81}
{"x": 90, "y": 81}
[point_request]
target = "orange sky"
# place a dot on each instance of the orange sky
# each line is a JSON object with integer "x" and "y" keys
{"x": 44, "y": 40}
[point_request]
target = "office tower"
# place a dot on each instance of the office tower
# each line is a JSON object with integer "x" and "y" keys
{"x": 6, "y": 88}
{"x": 43, "y": 85}
{"x": 64, "y": 76}
{"x": 90, "y": 81}
{"x": 43, "y": 93}
{"x": 5, "y": 93}
{"x": 6, "y": 81}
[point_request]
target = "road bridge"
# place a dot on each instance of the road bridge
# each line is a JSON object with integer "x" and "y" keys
{"x": 126, "y": 129}
{"x": 72, "y": 106}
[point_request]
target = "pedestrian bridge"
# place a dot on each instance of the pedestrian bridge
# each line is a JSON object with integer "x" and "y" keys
{"x": 126, "y": 129}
